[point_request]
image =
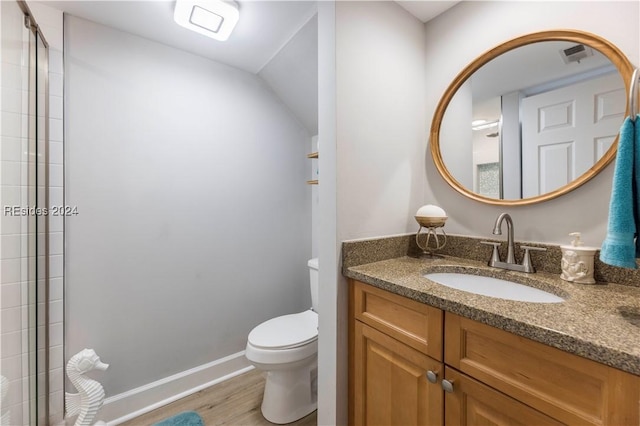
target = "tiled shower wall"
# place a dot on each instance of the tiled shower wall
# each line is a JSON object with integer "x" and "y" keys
{"x": 14, "y": 250}
{"x": 13, "y": 191}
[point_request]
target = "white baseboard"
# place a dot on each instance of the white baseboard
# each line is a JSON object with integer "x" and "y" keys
{"x": 127, "y": 405}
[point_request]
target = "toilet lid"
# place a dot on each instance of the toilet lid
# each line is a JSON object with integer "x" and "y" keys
{"x": 287, "y": 331}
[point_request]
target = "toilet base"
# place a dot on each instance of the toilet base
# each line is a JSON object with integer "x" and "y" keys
{"x": 290, "y": 395}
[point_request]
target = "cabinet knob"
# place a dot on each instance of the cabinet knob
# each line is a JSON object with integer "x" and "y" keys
{"x": 447, "y": 385}
{"x": 432, "y": 376}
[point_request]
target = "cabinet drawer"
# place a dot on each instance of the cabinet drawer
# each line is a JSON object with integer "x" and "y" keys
{"x": 569, "y": 388}
{"x": 414, "y": 323}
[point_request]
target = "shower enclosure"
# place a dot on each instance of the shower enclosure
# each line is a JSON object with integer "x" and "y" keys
{"x": 24, "y": 196}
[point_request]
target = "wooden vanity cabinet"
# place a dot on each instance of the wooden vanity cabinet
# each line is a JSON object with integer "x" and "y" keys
{"x": 396, "y": 346}
{"x": 495, "y": 377}
{"x": 571, "y": 389}
{"x": 473, "y": 403}
{"x": 393, "y": 388}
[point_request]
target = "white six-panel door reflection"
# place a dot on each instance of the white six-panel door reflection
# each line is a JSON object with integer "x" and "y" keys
{"x": 565, "y": 131}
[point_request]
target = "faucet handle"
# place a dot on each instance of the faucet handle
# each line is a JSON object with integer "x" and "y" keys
{"x": 533, "y": 248}
{"x": 526, "y": 258}
{"x": 495, "y": 255}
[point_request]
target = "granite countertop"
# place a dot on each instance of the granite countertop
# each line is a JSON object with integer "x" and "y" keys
{"x": 600, "y": 321}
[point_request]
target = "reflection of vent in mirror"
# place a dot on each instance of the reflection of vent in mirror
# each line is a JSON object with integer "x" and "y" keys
{"x": 575, "y": 53}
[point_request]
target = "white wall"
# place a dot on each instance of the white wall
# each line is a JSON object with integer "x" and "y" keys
{"x": 464, "y": 30}
{"x": 456, "y": 130}
{"x": 332, "y": 397}
{"x": 193, "y": 225}
{"x": 381, "y": 122}
{"x": 293, "y": 74}
{"x": 371, "y": 162}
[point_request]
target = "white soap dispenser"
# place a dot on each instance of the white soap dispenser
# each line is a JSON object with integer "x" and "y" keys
{"x": 577, "y": 261}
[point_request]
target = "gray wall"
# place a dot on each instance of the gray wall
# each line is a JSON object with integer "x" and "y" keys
{"x": 293, "y": 74}
{"x": 381, "y": 122}
{"x": 372, "y": 128}
{"x": 193, "y": 225}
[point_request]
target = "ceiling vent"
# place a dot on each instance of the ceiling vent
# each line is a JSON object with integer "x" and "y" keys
{"x": 575, "y": 53}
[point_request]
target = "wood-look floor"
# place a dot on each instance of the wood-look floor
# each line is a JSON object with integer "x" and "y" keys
{"x": 234, "y": 402}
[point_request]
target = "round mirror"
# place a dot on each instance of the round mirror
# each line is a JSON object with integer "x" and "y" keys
{"x": 533, "y": 118}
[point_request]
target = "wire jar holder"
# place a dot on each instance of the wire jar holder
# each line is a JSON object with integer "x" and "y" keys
{"x": 431, "y": 241}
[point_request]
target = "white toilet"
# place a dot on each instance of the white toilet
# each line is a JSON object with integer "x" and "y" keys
{"x": 286, "y": 348}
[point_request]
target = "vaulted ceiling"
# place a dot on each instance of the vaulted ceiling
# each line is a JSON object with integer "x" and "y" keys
{"x": 276, "y": 40}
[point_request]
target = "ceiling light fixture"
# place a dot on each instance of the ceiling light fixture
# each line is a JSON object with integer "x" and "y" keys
{"x": 212, "y": 18}
{"x": 483, "y": 124}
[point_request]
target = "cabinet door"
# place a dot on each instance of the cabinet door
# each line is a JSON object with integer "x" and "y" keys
{"x": 473, "y": 403}
{"x": 569, "y": 388}
{"x": 390, "y": 382}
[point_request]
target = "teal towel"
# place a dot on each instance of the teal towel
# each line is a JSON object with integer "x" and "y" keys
{"x": 188, "y": 418}
{"x": 619, "y": 246}
{"x": 636, "y": 181}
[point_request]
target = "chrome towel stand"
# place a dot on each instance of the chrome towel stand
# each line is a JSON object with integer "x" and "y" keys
{"x": 633, "y": 95}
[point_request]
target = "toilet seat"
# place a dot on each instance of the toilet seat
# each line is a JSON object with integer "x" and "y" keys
{"x": 286, "y": 332}
{"x": 283, "y": 342}
{"x": 286, "y": 349}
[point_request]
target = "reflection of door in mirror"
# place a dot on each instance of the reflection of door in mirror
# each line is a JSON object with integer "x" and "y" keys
{"x": 566, "y": 130}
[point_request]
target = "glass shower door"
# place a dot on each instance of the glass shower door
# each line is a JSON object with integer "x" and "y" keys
{"x": 42, "y": 227}
{"x": 23, "y": 124}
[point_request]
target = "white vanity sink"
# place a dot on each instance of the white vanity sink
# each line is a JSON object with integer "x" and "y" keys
{"x": 493, "y": 287}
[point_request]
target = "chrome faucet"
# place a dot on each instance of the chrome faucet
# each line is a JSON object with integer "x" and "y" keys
{"x": 510, "y": 263}
{"x": 497, "y": 230}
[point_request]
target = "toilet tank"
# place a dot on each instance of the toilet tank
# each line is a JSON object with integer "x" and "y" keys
{"x": 313, "y": 281}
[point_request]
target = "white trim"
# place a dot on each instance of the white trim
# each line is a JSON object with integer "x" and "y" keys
{"x": 135, "y": 402}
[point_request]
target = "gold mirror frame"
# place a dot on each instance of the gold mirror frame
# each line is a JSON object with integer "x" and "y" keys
{"x": 608, "y": 49}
